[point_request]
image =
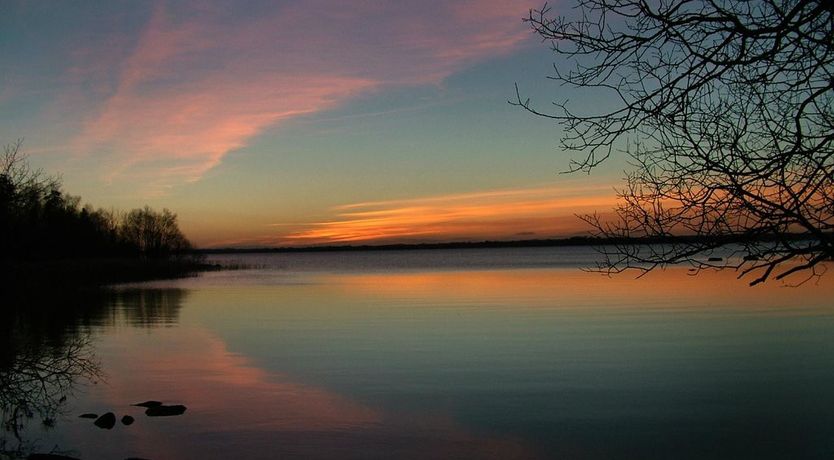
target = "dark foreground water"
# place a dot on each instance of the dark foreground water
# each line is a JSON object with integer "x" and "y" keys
{"x": 432, "y": 354}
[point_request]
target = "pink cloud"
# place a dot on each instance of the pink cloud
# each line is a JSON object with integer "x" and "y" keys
{"x": 192, "y": 90}
{"x": 181, "y": 136}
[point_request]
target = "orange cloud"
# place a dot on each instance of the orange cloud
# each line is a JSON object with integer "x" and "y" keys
{"x": 200, "y": 84}
{"x": 498, "y": 214}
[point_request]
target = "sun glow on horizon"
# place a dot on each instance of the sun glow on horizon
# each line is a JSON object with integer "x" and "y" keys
{"x": 507, "y": 214}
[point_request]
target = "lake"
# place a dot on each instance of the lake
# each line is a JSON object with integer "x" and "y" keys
{"x": 473, "y": 353}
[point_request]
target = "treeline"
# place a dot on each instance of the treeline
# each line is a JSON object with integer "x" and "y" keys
{"x": 39, "y": 221}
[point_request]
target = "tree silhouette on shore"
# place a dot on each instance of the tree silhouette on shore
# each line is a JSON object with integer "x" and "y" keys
{"x": 38, "y": 220}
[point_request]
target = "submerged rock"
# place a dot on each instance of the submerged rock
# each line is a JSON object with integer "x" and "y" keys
{"x": 88, "y": 416}
{"x": 148, "y": 404}
{"x": 127, "y": 420}
{"x": 165, "y": 411}
{"x": 106, "y": 421}
{"x": 49, "y": 457}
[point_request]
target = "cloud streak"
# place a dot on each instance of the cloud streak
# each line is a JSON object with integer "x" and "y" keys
{"x": 199, "y": 83}
{"x": 508, "y": 214}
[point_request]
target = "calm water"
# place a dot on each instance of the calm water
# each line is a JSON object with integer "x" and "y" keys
{"x": 510, "y": 353}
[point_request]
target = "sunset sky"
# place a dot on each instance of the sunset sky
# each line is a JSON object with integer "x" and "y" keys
{"x": 298, "y": 122}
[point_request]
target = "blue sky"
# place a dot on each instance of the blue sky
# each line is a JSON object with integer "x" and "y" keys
{"x": 298, "y": 122}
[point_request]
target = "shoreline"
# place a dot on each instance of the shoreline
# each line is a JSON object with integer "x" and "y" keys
{"x": 578, "y": 241}
{"x": 96, "y": 272}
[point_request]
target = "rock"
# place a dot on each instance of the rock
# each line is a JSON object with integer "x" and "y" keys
{"x": 148, "y": 404}
{"x": 127, "y": 420}
{"x": 88, "y": 416}
{"x": 165, "y": 411}
{"x": 49, "y": 457}
{"x": 106, "y": 421}
{"x": 714, "y": 259}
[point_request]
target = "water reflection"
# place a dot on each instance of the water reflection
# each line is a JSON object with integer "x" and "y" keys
{"x": 35, "y": 384}
{"x": 42, "y": 359}
{"x": 47, "y": 353}
{"x": 237, "y": 408}
{"x": 568, "y": 364}
{"x": 143, "y": 307}
{"x": 452, "y": 364}
{"x": 671, "y": 290}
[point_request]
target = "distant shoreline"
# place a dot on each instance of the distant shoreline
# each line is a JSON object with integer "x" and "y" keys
{"x": 530, "y": 243}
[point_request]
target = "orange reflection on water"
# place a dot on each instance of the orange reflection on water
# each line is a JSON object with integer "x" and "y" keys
{"x": 569, "y": 288}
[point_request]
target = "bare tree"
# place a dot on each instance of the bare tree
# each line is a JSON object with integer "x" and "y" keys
{"x": 724, "y": 108}
{"x": 154, "y": 233}
{"x": 17, "y": 174}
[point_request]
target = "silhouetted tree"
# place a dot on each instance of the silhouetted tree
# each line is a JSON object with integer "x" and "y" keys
{"x": 725, "y": 109}
{"x": 28, "y": 198}
{"x": 39, "y": 221}
{"x": 153, "y": 233}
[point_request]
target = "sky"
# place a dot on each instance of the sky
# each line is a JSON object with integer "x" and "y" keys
{"x": 287, "y": 123}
